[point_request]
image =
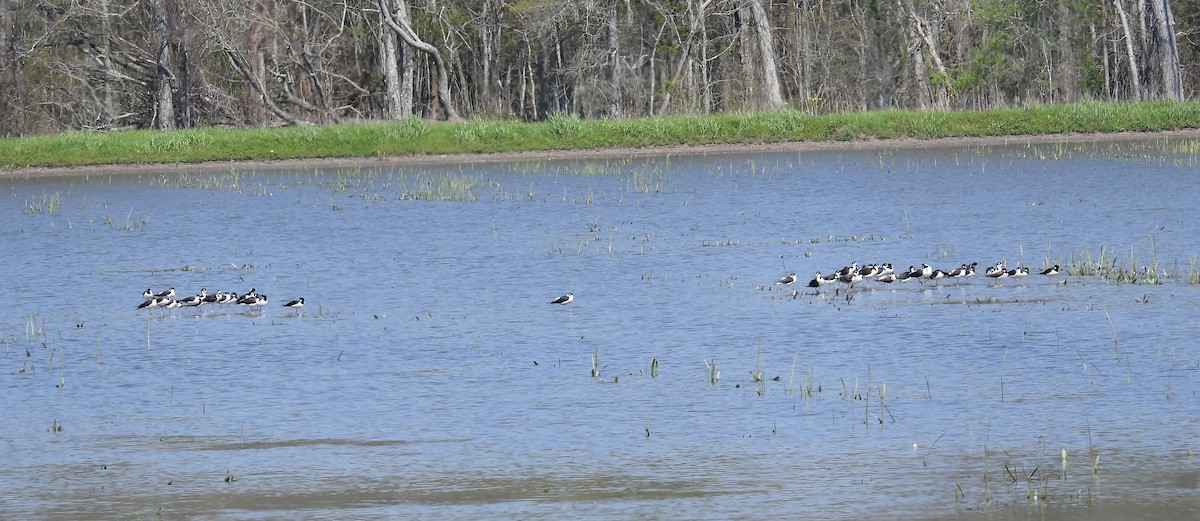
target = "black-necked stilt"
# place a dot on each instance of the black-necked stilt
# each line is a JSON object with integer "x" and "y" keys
{"x": 154, "y": 302}
{"x": 1018, "y": 272}
{"x": 787, "y": 281}
{"x": 252, "y": 301}
{"x": 148, "y": 293}
{"x": 565, "y": 299}
{"x": 820, "y": 280}
{"x": 997, "y": 271}
{"x": 194, "y": 300}
{"x": 851, "y": 278}
{"x": 298, "y": 303}
{"x": 852, "y": 268}
{"x": 938, "y": 275}
{"x": 171, "y": 304}
{"x": 170, "y": 293}
{"x": 1051, "y": 271}
{"x": 870, "y": 271}
{"x": 214, "y": 298}
{"x": 887, "y": 278}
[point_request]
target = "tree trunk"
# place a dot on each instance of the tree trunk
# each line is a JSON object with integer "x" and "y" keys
{"x": 1068, "y": 74}
{"x": 1166, "y": 49}
{"x": 401, "y": 25}
{"x": 772, "y": 90}
{"x": 614, "y": 62}
{"x": 165, "y": 106}
{"x": 489, "y": 36}
{"x": 804, "y": 51}
{"x": 389, "y": 63}
{"x": 1129, "y": 39}
{"x": 108, "y": 108}
{"x": 941, "y": 94}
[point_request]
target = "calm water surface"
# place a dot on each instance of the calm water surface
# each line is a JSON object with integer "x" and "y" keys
{"x": 428, "y": 375}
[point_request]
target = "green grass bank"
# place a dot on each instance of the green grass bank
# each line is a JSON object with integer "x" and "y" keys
{"x": 559, "y": 132}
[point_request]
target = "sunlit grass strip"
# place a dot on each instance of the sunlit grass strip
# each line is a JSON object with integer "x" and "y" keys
{"x": 565, "y": 132}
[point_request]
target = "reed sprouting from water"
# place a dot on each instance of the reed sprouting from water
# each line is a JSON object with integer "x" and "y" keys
{"x": 1133, "y": 267}
{"x": 713, "y": 374}
{"x": 1116, "y": 341}
{"x": 47, "y": 203}
{"x": 445, "y": 187}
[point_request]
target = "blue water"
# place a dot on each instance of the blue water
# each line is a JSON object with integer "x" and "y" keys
{"x": 429, "y": 376}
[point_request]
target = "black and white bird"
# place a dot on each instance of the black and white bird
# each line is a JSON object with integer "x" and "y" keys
{"x": 170, "y": 293}
{"x": 214, "y": 298}
{"x": 154, "y": 302}
{"x": 820, "y": 280}
{"x": 787, "y": 281}
{"x": 565, "y": 299}
{"x": 252, "y": 301}
{"x": 148, "y": 293}
{"x": 1052, "y": 271}
{"x": 298, "y": 303}
{"x": 194, "y": 300}
{"x": 852, "y": 268}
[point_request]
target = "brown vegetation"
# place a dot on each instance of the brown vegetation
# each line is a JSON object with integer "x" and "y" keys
{"x": 105, "y": 64}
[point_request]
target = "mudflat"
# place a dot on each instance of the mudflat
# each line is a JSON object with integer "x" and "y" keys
{"x": 539, "y": 155}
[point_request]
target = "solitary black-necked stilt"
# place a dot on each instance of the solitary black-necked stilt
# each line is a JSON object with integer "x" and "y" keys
{"x": 298, "y": 303}
{"x": 1051, "y": 271}
{"x": 788, "y": 280}
{"x": 565, "y": 299}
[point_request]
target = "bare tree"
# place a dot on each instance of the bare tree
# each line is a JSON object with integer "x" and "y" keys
{"x": 1134, "y": 73}
{"x": 165, "y": 109}
{"x": 403, "y": 28}
{"x": 1165, "y": 47}
{"x": 772, "y": 91}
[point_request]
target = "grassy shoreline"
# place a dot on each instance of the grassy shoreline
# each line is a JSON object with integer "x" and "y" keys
{"x": 412, "y": 137}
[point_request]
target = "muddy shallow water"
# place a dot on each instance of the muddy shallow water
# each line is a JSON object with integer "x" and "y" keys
{"x": 429, "y": 376}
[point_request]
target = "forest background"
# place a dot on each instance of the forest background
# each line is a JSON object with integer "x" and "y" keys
{"x": 165, "y": 64}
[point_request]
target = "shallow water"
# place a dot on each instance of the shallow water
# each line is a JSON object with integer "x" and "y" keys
{"x": 428, "y": 375}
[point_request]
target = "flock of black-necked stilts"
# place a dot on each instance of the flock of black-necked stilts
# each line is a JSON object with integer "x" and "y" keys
{"x": 250, "y": 300}
{"x": 884, "y": 273}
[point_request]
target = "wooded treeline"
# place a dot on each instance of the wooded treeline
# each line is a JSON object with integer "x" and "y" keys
{"x": 104, "y": 64}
